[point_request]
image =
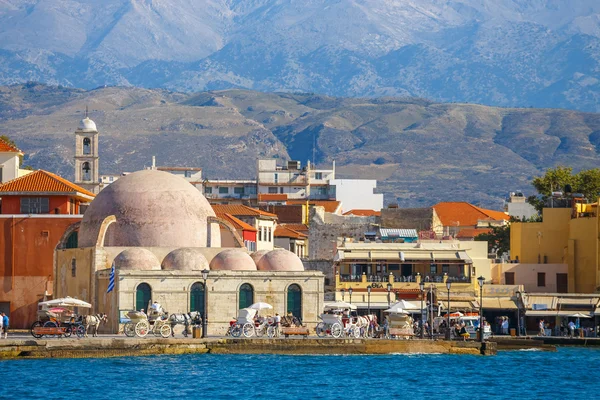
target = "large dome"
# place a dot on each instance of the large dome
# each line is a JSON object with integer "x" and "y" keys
{"x": 280, "y": 260}
{"x": 137, "y": 259}
{"x": 232, "y": 260}
{"x": 153, "y": 209}
{"x": 185, "y": 259}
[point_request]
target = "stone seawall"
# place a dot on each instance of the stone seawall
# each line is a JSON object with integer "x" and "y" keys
{"x": 121, "y": 347}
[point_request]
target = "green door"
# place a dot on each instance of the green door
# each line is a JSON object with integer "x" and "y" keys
{"x": 143, "y": 295}
{"x": 246, "y": 295}
{"x": 197, "y": 298}
{"x": 294, "y": 301}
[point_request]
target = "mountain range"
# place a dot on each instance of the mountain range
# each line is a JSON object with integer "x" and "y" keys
{"x": 420, "y": 151}
{"x": 510, "y": 53}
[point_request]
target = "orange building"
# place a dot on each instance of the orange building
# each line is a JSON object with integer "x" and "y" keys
{"x": 37, "y": 212}
{"x": 465, "y": 221}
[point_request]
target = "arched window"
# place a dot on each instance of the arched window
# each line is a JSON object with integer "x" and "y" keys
{"x": 246, "y": 295}
{"x": 72, "y": 240}
{"x": 143, "y": 295}
{"x": 86, "y": 171}
{"x": 294, "y": 301}
{"x": 197, "y": 298}
{"x": 87, "y": 146}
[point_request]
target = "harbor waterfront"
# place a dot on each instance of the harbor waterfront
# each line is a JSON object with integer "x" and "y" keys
{"x": 515, "y": 374}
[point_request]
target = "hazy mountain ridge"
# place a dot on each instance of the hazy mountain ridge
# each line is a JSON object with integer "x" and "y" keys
{"x": 507, "y": 52}
{"x": 420, "y": 151}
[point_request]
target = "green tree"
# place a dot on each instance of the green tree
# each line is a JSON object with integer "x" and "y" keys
{"x": 498, "y": 239}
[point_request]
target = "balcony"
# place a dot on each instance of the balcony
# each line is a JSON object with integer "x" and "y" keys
{"x": 404, "y": 278}
{"x": 295, "y": 181}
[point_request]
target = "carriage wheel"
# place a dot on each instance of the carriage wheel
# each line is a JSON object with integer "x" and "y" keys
{"x": 165, "y": 331}
{"x": 141, "y": 328}
{"x": 129, "y": 329}
{"x": 36, "y": 324}
{"x": 80, "y": 331}
{"x": 156, "y": 329}
{"x": 50, "y": 324}
{"x": 68, "y": 331}
{"x": 248, "y": 330}
{"x": 260, "y": 331}
{"x": 337, "y": 330}
{"x": 321, "y": 329}
{"x": 271, "y": 331}
{"x": 236, "y": 330}
{"x": 354, "y": 332}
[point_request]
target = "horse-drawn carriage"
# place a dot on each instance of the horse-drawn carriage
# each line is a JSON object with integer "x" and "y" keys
{"x": 246, "y": 324}
{"x": 337, "y": 321}
{"x": 58, "y": 318}
{"x": 141, "y": 324}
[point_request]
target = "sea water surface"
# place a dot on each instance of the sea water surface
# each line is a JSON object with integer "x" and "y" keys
{"x": 569, "y": 373}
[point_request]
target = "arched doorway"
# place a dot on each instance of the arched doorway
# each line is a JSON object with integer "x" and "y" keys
{"x": 197, "y": 298}
{"x": 246, "y": 295}
{"x": 143, "y": 295}
{"x": 294, "y": 301}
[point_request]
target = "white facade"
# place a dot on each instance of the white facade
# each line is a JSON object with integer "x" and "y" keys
{"x": 264, "y": 236}
{"x": 226, "y": 190}
{"x": 9, "y": 166}
{"x": 293, "y": 180}
{"x": 357, "y": 194}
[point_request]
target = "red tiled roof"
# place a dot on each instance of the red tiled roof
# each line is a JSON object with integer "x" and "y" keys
{"x": 6, "y": 147}
{"x": 283, "y": 231}
{"x": 465, "y": 214}
{"x": 331, "y": 206}
{"x": 296, "y": 227}
{"x": 472, "y": 232}
{"x": 42, "y": 182}
{"x": 237, "y": 223}
{"x": 272, "y": 197}
{"x": 363, "y": 213}
{"x": 240, "y": 210}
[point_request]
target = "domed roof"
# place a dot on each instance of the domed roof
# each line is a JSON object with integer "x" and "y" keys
{"x": 152, "y": 209}
{"x": 257, "y": 255}
{"x": 137, "y": 259}
{"x": 87, "y": 124}
{"x": 232, "y": 260}
{"x": 280, "y": 260}
{"x": 185, "y": 259}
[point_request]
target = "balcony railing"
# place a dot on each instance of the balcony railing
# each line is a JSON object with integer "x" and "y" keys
{"x": 403, "y": 278}
{"x": 299, "y": 180}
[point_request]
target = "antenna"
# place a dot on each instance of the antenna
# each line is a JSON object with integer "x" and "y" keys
{"x": 314, "y": 146}
{"x": 86, "y": 111}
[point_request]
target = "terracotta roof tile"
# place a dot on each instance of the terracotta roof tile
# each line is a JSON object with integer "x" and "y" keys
{"x": 6, "y": 147}
{"x": 272, "y": 197}
{"x": 42, "y": 182}
{"x": 296, "y": 227}
{"x": 331, "y": 206}
{"x": 240, "y": 210}
{"x": 465, "y": 214}
{"x": 283, "y": 231}
{"x": 363, "y": 213}
{"x": 237, "y": 223}
{"x": 472, "y": 232}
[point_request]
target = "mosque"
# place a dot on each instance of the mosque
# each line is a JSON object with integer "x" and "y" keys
{"x": 160, "y": 233}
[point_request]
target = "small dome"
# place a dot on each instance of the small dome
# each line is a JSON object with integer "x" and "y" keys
{"x": 185, "y": 259}
{"x": 87, "y": 124}
{"x": 257, "y": 255}
{"x": 232, "y": 260}
{"x": 137, "y": 259}
{"x": 280, "y": 260}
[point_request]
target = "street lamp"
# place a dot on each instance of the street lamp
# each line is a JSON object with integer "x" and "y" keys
{"x": 518, "y": 313}
{"x": 448, "y": 335}
{"x": 481, "y": 281}
{"x": 431, "y": 288}
{"x": 369, "y": 300}
{"x": 205, "y": 319}
{"x": 343, "y": 293}
{"x": 422, "y": 287}
{"x": 389, "y": 289}
{"x": 350, "y": 291}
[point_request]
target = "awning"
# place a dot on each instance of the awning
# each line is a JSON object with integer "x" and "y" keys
{"x": 590, "y": 302}
{"x": 552, "y": 313}
{"x": 386, "y": 255}
{"x": 499, "y": 303}
{"x": 356, "y": 255}
{"x": 460, "y": 305}
{"x": 417, "y": 256}
{"x": 374, "y": 306}
{"x": 464, "y": 256}
{"x": 541, "y": 303}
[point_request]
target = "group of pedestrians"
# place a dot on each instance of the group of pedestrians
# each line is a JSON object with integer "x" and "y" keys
{"x": 4, "y": 324}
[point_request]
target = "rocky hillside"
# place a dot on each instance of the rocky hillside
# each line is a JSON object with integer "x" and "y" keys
{"x": 420, "y": 151}
{"x": 540, "y": 53}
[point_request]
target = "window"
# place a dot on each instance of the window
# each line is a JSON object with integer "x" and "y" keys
{"x": 269, "y": 231}
{"x": 294, "y": 301}
{"x": 188, "y": 174}
{"x": 509, "y": 278}
{"x": 250, "y": 189}
{"x": 87, "y": 146}
{"x": 259, "y": 234}
{"x": 276, "y": 178}
{"x": 445, "y": 268}
{"x": 318, "y": 175}
{"x": 281, "y": 190}
{"x": 433, "y": 269}
{"x": 238, "y": 190}
{"x": 73, "y": 268}
{"x": 197, "y": 298}
{"x": 208, "y": 190}
{"x": 72, "y": 241}
{"x": 35, "y": 205}
{"x": 321, "y": 191}
{"x": 273, "y": 190}
{"x": 541, "y": 279}
{"x": 223, "y": 190}
{"x": 1, "y": 180}
{"x": 143, "y": 296}
{"x": 246, "y": 296}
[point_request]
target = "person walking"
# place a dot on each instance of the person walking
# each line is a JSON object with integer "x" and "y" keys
{"x": 277, "y": 325}
{"x": 5, "y": 325}
{"x": 542, "y": 331}
{"x": 571, "y": 329}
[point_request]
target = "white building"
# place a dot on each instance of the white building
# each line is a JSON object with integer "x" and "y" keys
{"x": 516, "y": 206}
{"x": 9, "y": 162}
{"x": 294, "y": 181}
{"x": 356, "y": 194}
{"x": 229, "y": 191}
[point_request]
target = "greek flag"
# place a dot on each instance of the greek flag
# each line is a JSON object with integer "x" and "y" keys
{"x": 111, "y": 280}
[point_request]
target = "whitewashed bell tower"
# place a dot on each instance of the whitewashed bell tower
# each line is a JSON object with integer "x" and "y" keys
{"x": 86, "y": 155}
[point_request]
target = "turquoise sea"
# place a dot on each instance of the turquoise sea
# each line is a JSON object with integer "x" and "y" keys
{"x": 570, "y": 373}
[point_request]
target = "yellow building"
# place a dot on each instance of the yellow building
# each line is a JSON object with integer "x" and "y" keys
{"x": 566, "y": 236}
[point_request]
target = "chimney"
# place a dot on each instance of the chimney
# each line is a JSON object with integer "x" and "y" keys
{"x": 153, "y": 162}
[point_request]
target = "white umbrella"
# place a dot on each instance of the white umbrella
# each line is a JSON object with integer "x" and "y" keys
{"x": 66, "y": 302}
{"x": 407, "y": 305}
{"x": 395, "y": 310}
{"x": 339, "y": 305}
{"x": 260, "y": 306}
{"x": 580, "y": 315}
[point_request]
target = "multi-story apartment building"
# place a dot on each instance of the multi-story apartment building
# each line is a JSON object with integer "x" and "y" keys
{"x": 294, "y": 181}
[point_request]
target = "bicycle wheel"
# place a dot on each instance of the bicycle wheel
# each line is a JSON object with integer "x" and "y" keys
{"x": 36, "y": 324}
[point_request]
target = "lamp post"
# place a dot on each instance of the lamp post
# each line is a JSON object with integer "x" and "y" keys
{"x": 389, "y": 289}
{"x": 205, "y": 316}
{"x": 369, "y": 300}
{"x": 448, "y": 335}
{"x": 422, "y": 287}
{"x": 518, "y": 313}
{"x": 350, "y": 292}
{"x": 431, "y": 311}
{"x": 481, "y": 281}
{"x": 343, "y": 293}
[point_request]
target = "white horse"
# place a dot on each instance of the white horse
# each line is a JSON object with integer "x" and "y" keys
{"x": 94, "y": 321}
{"x": 366, "y": 324}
